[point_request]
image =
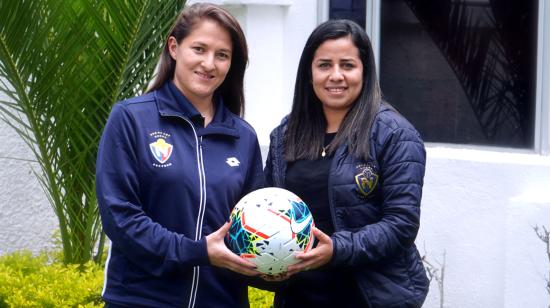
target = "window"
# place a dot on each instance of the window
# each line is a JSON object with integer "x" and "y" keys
{"x": 348, "y": 9}
{"x": 462, "y": 71}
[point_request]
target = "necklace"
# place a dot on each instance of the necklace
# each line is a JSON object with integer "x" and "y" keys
{"x": 324, "y": 150}
{"x": 329, "y": 137}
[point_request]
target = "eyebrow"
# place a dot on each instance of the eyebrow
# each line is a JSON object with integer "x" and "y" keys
{"x": 203, "y": 44}
{"x": 330, "y": 60}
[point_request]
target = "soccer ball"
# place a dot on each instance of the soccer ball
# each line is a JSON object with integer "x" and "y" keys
{"x": 268, "y": 226}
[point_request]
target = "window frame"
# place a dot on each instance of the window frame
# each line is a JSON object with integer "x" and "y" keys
{"x": 541, "y": 142}
{"x": 542, "y": 107}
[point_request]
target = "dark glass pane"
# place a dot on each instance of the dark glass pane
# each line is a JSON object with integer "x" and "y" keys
{"x": 348, "y": 9}
{"x": 462, "y": 71}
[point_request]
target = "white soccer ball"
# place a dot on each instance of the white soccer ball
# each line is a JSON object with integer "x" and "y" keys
{"x": 268, "y": 226}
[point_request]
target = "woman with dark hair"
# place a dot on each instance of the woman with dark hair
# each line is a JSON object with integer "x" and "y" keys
{"x": 172, "y": 164}
{"x": 359, "y": 166}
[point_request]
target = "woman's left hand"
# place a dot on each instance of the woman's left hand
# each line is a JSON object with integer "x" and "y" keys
{"x": 315, "y": 258}
{"x": 220, "y": 256}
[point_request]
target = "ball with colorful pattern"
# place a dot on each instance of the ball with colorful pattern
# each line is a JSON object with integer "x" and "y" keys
{"x": 268, "y": 226}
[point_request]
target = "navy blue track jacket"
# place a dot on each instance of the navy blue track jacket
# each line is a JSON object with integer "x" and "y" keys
{"x": 375, "y": 207}
{"x": 164, "y": 182}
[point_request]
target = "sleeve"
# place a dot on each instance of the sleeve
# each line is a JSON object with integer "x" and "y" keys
{"x": 147, "y": 244}
{"x": 402, "y": 165}
{"x": 255, "y": 177}
{"x": 268, "y": 169}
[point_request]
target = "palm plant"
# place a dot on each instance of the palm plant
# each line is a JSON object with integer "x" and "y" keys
{"x": 62, "y": 66}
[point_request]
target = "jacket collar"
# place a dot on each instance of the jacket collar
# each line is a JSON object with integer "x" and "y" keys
{"x": 172, "y": 103}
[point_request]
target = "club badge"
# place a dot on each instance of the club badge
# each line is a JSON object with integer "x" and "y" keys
{"x": 161, "y": 150}
{"x": 366, "y": 179}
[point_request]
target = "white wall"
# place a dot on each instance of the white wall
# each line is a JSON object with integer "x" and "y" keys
{"x": 479, "y": 205}
{"x": 479, "y": 208}
{"x": 27, "y": 220}
{"x": 276, "y": 34}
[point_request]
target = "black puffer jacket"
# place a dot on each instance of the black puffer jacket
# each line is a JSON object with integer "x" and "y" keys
{"x": 375, "y": 208}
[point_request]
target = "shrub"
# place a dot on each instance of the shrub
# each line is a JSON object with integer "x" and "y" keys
{"x": 260, "y": 298}
{"x": 43, "y": 281}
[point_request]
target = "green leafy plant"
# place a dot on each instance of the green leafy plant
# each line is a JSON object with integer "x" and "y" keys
{"x": 62, "y": 66}
{"x": 44, "y": 281}
{"x": 260, "y": 298}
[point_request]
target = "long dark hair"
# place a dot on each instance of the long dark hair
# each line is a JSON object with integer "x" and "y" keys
{"x": 231, "y": 88}
{"x": 304, "y": 136}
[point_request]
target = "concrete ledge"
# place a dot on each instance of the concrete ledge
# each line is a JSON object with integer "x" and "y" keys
{"x": 491, "y": 155}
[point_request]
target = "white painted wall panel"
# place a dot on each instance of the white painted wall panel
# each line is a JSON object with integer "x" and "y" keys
{"x": 479, "y": 208}
{"x": 27, "y": 220}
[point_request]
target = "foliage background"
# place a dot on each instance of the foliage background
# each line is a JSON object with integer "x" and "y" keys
{"x": 62, "y": 66}
{"x": 44, "y": 281}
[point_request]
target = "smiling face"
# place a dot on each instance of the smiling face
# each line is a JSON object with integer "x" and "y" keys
{"x": 203, "y": 59}
{"x": 337, "y": 74}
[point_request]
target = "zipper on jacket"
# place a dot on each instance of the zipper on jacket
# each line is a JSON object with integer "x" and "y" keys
{"x": 203, "y": 190}
{"x": 333, "y": 166}
{"x": 200, "y": 218}
{"x": 329, "y": 183}
{"x": 202, "y": 209}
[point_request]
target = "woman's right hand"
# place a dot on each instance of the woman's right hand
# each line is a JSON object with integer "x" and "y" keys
{"x": 315, "y": 258}
{"x": 220, "y": 256}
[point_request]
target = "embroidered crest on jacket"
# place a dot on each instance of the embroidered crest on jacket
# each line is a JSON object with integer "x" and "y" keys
{"x": 161, "y": 149}
{"x": 366, "y": 179}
